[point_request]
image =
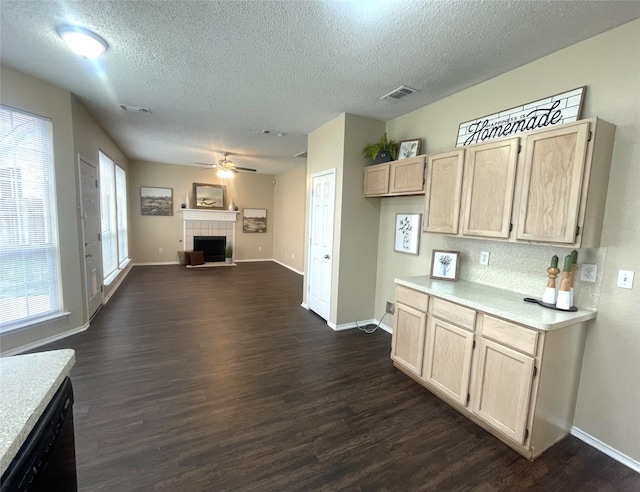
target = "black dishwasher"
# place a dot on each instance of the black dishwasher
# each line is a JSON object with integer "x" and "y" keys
{"x": 47, "y": 459}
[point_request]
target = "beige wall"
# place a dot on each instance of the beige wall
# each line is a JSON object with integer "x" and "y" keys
{"x": 24, "y": 92}
{"x": 289, "y": 217}
{"x": 89, "y": 138}
{"x": 338, "y": 145}
{"x": 609, "y": 64}
{"x": 150, "y": 233}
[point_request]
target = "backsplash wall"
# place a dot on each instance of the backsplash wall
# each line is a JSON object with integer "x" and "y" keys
{"x": 523, "y": 267}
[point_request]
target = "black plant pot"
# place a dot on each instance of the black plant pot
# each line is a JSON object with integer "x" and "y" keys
{"x": 383, "y": 156}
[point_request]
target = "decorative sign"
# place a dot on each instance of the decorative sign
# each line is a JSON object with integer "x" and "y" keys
{"x": 553, "y": 110}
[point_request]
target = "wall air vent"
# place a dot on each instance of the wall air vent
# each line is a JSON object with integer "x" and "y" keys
{"x": 399, "y": 93}
{"x": 134, "y": 109}
{"x": 302, "y": 154}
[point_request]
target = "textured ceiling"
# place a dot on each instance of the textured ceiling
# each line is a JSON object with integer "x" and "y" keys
{"x": 215, "y": 73}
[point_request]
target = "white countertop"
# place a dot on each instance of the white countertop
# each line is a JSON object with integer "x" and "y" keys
{"x": 27, "y": 384}
{"x": 498, "y": 302}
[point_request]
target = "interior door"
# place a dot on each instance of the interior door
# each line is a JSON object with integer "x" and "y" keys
{"x": 321, "y": 241}
{"x": 90, "y": 213}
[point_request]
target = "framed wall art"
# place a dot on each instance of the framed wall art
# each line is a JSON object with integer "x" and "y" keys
{"x": 409, "y": 148}
{"x": 156, "y": 201}
{"x": 407, "y": 238}
{"x": 208, "y": 196}
{"x": 444, "y": 265}
{"x": 254, "y": 220}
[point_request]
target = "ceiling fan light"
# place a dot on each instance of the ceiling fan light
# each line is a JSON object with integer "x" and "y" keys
{"x": 82, "y": 41}
{"x": 225, "y": 173}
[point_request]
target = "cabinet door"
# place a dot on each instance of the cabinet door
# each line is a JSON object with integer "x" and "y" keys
{"x": 408, "y": 337}
{"x": 503, "y": 388}
{"x": 407, "y": 176}
{"x": 554, "y": 164}
{"x": 490, "y": 176}
{"x": 376, "y": 180}
{"x": 447, "y": 360}
{"x": 443, "y": 192}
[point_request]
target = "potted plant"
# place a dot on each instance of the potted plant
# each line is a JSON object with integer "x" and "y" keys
{"x": 228, "y": 253}
{"x": 384, "y": 150}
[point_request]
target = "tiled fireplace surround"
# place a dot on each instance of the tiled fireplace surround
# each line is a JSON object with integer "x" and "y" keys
{"x": 208, "y": 223}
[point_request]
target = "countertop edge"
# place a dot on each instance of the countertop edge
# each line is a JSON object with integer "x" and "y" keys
{"x": 572, "y": 318}
{"x": 12, "y": 450}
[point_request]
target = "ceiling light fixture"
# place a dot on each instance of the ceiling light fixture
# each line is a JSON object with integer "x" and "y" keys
{"x": 82, "y": 41}
{"x": 225, "y": 173}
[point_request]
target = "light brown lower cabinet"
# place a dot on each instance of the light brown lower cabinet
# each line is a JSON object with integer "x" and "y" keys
{"x": 518, "y": 383}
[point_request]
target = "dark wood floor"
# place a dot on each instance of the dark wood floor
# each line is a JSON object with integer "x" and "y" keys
{"x": 216, "y": 379}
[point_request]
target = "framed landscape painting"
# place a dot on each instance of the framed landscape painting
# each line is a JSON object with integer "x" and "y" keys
{"x": 254, "y": 220}
{"x": 208, "y": 196}
{"x": 156, "y": 201}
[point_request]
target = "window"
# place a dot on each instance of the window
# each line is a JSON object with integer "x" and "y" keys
{"x": 121, "y": 207}
{"x": 29, "y": 250}
{"x": 113, "y": 199}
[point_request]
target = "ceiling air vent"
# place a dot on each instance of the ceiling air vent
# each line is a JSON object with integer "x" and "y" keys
{"x": 399, "y": 93}
{"x": 134, "y": 109}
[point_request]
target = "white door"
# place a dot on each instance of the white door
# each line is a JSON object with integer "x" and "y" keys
{"x": 91, "y": 234}
{"x": 321, "y": 231}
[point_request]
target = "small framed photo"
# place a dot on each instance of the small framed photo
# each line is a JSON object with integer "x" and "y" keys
{"x": 208, "y": 196}
{"x": 254, "y": 220}
{"x": 407, "y": 238}
{"x": 156, "y": 201}
{"x": 444, "y": 265}
{"x": 409, "y": 148}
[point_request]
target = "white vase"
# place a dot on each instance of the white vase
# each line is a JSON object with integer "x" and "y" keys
{"x": 549, "y": 296}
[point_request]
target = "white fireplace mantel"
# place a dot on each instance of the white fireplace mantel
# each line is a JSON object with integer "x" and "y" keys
{"x": 217, "y": 215}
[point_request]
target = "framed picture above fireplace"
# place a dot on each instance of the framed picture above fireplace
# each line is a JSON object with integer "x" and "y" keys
{"x": 208, "y": 196}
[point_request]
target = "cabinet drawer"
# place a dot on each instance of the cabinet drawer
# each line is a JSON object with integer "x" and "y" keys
{"x": 413, "y": 298}
{"x": 514, "y": 336}
{"x": 461, "y": 316}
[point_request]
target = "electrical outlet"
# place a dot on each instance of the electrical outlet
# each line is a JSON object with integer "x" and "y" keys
{"x": 159, "y": 250}
{"x": 391, "y": 308}
{"x": 292, "y": 256}
{"x": 259, "y": 248}
{"x": 484, "y": 258}
{"x": 588, "y": 272}
{"x": 625, "y": 279}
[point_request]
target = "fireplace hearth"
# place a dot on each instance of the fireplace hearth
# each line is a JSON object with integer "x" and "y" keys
{"x": 213, "y": 247}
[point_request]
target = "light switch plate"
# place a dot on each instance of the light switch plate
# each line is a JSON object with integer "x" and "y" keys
{"x": 625, "y": 279}
{"x": 588, "y": 272}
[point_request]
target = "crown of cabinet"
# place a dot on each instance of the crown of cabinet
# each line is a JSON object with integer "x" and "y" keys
{"x": 396, "y": 178}
{"x": 547, "y": 186}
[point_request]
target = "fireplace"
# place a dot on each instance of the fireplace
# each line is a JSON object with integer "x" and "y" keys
{"x": 213, "y": 247}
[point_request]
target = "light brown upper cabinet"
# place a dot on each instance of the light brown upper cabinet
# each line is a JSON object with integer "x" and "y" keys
{"x": 403, "y": 177}
{"x": 489, "y": 185}
{"x": 443, "y": 192}
{"x": 565, "y": 173}
{"x": 376, "y": 180}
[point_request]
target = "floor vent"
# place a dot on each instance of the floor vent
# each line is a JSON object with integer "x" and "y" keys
{"x": 399, "y": 93}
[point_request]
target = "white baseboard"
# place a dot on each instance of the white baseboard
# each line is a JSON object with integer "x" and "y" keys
{"x": 160, "y": 263}
{"x": 363, "y": 323}
{"x": 289, "y": 267}
{"x": 122, "y": 276}
{"x": 304, "y": 305}
{"x": 606, "y": 449}
{"x": 254, "y": 260}
{"x": 44, "y": 341}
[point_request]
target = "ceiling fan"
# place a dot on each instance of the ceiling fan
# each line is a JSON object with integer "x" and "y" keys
{"x": 226, "y": 168}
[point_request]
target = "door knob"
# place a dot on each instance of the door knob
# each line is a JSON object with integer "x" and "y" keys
{"x": 326, "y": 257}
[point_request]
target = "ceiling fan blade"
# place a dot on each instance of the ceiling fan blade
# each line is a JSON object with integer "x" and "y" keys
{"x": 206, "y": 164}
{"x": 245, "y": 169}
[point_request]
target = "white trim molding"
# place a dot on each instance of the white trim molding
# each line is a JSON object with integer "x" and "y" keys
{"x": 118, "y": 282}
{"x": 606, "y": 449}
{"x": 157, "y": 263}
{"x": 287, "y": 266}
{"x": 44, "y": 341}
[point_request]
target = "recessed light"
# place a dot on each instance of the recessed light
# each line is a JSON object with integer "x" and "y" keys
{"x": 82, "y": 41}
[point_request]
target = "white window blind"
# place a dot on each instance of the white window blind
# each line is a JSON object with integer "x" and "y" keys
{"x": 108, "y": 219}
{"x": 29, "y": 259}
{"x": 123, "y": 233}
